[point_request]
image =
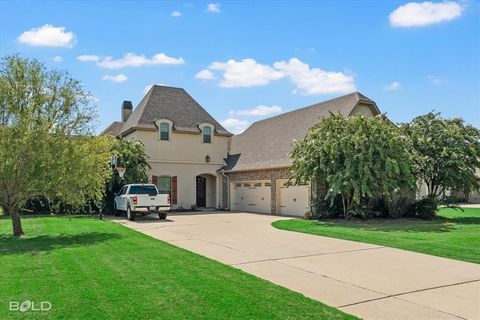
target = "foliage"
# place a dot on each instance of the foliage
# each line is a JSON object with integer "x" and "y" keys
{"x": 445, "y": 153}
{"x": 356, "y": 157}
{"x": 47, "y": 147}
{"x": 131, "y": 154}
{"x": 426, "y": 208}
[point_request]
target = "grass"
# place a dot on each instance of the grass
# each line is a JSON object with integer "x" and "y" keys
{"x": 452, "y": 234}
{"x": 92, "y": 269}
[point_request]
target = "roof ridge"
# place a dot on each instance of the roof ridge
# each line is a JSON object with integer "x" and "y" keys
{"x": 356, "y": 93}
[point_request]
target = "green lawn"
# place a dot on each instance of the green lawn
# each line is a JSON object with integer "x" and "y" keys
{"x": 453, "y": 234}
{"x": 91, "y": 269}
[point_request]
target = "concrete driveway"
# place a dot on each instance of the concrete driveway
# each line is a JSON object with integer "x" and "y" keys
{"x": 370, "y": 281}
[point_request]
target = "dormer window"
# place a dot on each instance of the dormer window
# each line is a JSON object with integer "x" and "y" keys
{"x": 164, "y": 131}
{"x": 207, "y": 135}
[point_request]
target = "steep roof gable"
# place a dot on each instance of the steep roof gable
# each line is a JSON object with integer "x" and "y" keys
{"x": 266, "y": 143}
{"x": 174, "y": 104}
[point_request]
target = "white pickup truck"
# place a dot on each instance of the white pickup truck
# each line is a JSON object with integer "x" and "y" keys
{"x": 142, "y": 199}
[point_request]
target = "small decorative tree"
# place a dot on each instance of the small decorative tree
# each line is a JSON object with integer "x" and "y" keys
{"x": 355, "y": 157}
{"x": 47, "y": 145}
{"x": 445, "y": 153}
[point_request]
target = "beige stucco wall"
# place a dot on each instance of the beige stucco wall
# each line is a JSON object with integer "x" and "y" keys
{"x": 184, "y": 156}
{"x": 183, "y": 147}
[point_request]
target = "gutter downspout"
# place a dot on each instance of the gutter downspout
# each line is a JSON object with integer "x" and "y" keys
{"x": 228, "y": 189}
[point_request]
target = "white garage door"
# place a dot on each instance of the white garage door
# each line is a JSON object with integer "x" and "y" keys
{"x": 475, "y": 197}
{"x": 251, "y": 196}
{"x": 292, "y": 200}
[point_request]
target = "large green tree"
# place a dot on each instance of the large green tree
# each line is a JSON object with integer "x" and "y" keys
{"x": 47, "y": 146}
{"x": 445, "y": 153}
{"x": 130, "y": 154}
{"x": 355, "y": 157}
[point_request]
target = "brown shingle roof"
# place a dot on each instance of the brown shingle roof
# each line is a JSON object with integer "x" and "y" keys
{"x": 174, "y": 104}
{"x": 266, "y": 143}
{"x": 114, "y": 129}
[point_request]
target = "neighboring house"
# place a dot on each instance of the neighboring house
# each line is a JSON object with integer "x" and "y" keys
{"x": 198, "y": 162}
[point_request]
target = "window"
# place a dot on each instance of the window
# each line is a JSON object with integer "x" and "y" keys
{"x": 164, "y": 131}
{"x": 207, "y": 135}
{"x": 258, "y": 184}
{"x": 238, "y": 185}
{"x": 268, "y": 184}
{"x": 164, "y": 185}
{"x": 139, "y": 189}
{"x": 246, "y": 185}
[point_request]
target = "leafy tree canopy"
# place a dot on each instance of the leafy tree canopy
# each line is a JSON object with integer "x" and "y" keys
{"x": 47, "y": 144}
{"x": 445, "y": 153}
{"x": 355, "y": 157}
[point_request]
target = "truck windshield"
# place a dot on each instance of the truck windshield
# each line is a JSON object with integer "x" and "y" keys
{"x": 150, "y": 190}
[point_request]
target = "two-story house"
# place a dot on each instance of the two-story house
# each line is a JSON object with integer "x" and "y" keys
{"x": 199, "y": 163}
{"x": 186, "y": 146}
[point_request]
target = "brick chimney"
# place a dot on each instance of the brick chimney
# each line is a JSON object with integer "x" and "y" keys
{"x": 127, "y": 108}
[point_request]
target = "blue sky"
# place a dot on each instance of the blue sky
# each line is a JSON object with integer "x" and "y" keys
{"x": 232, "y": 57}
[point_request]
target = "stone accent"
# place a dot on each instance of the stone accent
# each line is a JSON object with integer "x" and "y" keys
{"x": 263, "y": 174}
{"x": 225, "y": 196}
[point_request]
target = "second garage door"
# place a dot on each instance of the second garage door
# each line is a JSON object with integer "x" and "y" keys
{"x": 292, "y": 200}
{"x": 251, "y": 196}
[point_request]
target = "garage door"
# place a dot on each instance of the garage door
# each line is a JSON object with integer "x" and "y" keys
{"x": 251, "y": 196}
{"x": 292, "y": 200}
{"x": 475, "y": 197}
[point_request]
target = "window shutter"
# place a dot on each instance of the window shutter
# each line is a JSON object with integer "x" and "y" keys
{"x": 155, "y": 180}
{"x": 174, "y": 190}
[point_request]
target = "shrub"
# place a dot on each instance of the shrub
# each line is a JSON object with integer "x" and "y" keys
{"x": 326, "y": 209}
{"x": 426, "y": 208}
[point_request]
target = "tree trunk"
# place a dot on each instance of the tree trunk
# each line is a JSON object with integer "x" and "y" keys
{"x": 16, "y": 222}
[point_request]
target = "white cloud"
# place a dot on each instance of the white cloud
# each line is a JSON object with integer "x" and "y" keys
{"x": 213, "y": 7}
{"x": 88, "y": 58}
{"x": 57, "y": 59}
{"x": 234, "y": 125}
{"x": 311, "y": 81}
{"x": 205, "y": 74}
{"x": 245, "y": 73}
{"x": 261, "y": 110}
{"x": 414, "y": 14}
{"x": 436, "y": 80}
{"x": 48, "y": 36}
{"x": 118, "y": 78}
{"x": 131, "y": 59}
{"x": 392, "y": 86}
{"x": 176, "y": 14}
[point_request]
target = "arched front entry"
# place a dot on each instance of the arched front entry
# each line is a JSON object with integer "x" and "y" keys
{"x": 205, "y": 191}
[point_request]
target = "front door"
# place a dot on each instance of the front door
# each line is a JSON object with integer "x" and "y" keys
{"x": 201, "y": 192}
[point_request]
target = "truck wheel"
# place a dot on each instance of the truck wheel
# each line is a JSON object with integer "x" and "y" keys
{"x": 162, "y": 215}
{"x": 130, "y": 214}
{"x": 116, "y": 213}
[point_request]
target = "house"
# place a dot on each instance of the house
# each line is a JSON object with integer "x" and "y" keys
{"x": 199, "y": 163}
